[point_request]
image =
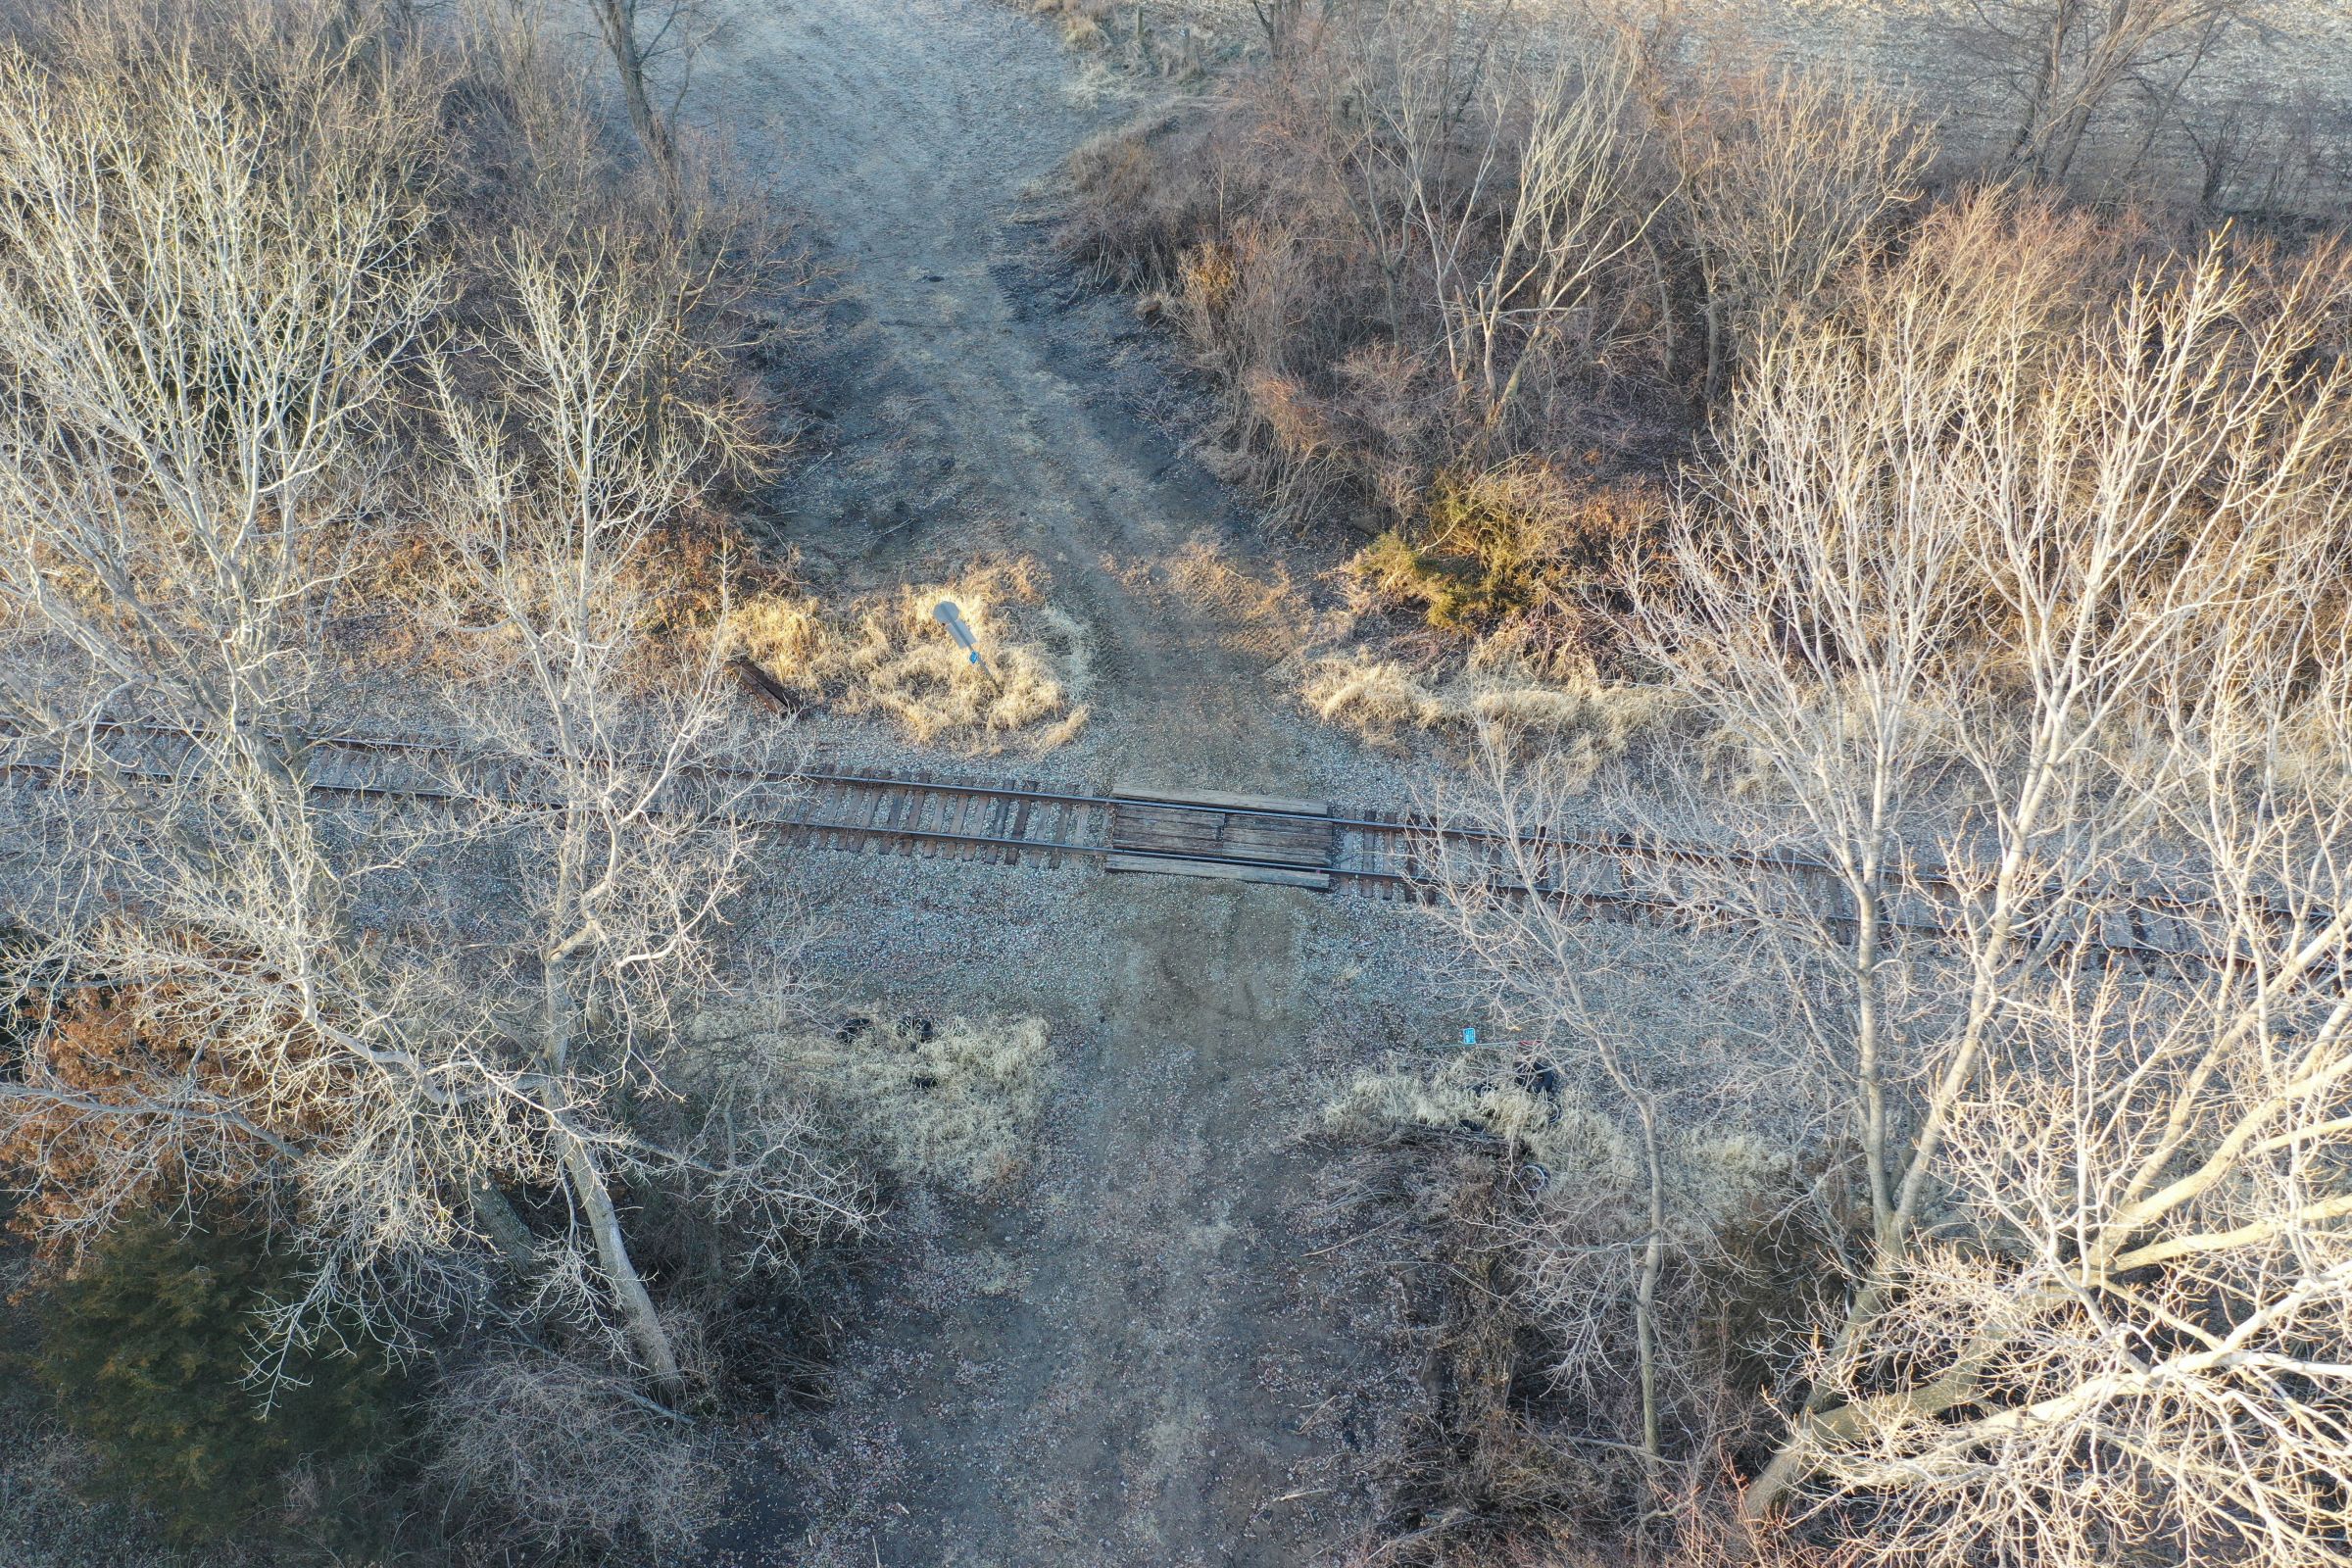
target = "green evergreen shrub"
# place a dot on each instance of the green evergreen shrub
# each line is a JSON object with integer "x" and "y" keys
{"x": 146, "y": 1349}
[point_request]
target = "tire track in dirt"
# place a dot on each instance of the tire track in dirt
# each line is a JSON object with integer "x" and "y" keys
{"x": 1142, "y": 1394}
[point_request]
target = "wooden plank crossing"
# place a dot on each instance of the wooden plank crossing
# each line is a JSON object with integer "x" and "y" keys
{"x": 1206, "y": 832}
{"x": 1187, "y": 830}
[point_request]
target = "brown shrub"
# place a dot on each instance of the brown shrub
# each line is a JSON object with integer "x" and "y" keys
{"x": 1318, "y": 238}
{"x": 77, "y": 1171}
{"x": 535, "y": 1453}
{"x": 1527, "y": 1200}
{"x": 1137, "y": 199}
{"x": 951, "y": 1103}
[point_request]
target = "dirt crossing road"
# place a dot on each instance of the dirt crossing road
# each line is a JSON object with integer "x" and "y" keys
{"x": 1137, "y": 1385}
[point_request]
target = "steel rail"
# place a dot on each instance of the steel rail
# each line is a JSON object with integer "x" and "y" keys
{"x": 882, "y": 833}
{"x": 1621, "y": 848}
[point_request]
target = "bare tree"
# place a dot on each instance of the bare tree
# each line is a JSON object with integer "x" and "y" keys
{"x": 2070, "y": 60}
{"x": 2016, "y": 624}
{"x": 1788, "y": 179}
{"x": 625, "y": 846}
{"x": 202, "y": 351}
{"x": 1518, "y": 194}
{"x": 2003, "y": 613}
{"x": 202, "y": 331}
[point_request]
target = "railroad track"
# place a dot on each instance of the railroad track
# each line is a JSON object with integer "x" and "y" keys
{"x": 1137, "y": 828}
{"x": 929, "y": 814}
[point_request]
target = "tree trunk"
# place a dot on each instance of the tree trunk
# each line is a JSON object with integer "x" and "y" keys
{"x": 616, "y": 21}
{"x": 645, "y": 1332}
{"x": 2052, "y": 66}
{"x": 1646, "y": 1288}
{"x": 498, "y": 1222}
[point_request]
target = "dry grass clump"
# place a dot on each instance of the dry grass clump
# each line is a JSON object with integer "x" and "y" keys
{"x": 1124, "y": 42}
{"x": 1533, "y": 1112}
{"x": 950, "y": 1101}
{"x": 1570, "y": 711}
{"x": 1133, "y": 219}
{"x": 887, "y": 656}
{"x": 1474, "y": 1092}
{"x": 1081, "y": 21}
